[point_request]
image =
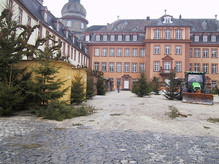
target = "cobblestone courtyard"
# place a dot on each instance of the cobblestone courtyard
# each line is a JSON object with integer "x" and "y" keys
{"x": 27, "y": 139}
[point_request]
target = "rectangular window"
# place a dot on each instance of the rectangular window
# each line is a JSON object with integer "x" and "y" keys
{"x": 156, "y": 66}
{"x": 112, "y": 38}
{"x": 197, "y": 53}
{"x": 119, "y": 52}
{"x": 178, "y": 34}
{"x": 157, "y": 34}
{"x": 214, "y": 53}
{"x": 133, "y": 81}
{"x": 45, "y": 16}
{"x": 112, "y": 52}
{"x": 197, "y": 67}
{"x": 205, "y": 53}
{"x": 167, "y": 50}
{"x": 142, "y": 52}
{"x": 118, "y": 81}
{"x": 156, "y": 50}
{"x": 168, "y": 34}
{"x": 104, "y": 52}
{"x": 111, "y": 67}
{"x": 196, "y": 38}
{"x": 104, "y": 38}
{"x": 127, "y": 38}
{"x": 98, "y": 38}
{"x": 205, "y": 38}
{"x": 134, "y": 67}
{"x": 178, "y": 67}
{"x": 96, "y": 66}
{"x": 167, "y": 67}
{"x": 127, "y": 52}
{"x": 214, "y": 68}
{"x": 205, "y": 68}
{"x": 97, "y": 52}
{"x": 213, "y": 38}
{"x": 20, "y": 15}
{"x": 190, "y": 67}
{"x": 142, "y": 67}
{"x": 126, "y": 67}
{"x": 214, "y": 84}
{"x": 178, "y": 50}
{"x": 118, "y": 67}
{"x": 103, "y": 67}
{"x": 28, "y": 20}
{"x": 135, "y": 38}
{"x": 119, "y": 38}
{"x": 190, "y": 52}
{"x": 134, "y": 52}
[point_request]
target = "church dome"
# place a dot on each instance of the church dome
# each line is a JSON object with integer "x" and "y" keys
{"x": 74, "y": 9}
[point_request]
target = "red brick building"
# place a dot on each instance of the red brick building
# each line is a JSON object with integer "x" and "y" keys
{"x": 125, "y": 48}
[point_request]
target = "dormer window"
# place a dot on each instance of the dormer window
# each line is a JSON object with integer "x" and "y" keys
{"x": 87, "y": 38}
{"x": 45, "y": 16}
{"x": 135, "y": 37}
{"x": 66, "y": 33}
{"x": 197, "y": 38}
{"x": 82, "y": 25}
{"x": 69, "y": 24}
{"x": 213, "y": 38}
{"x": 127, "y": 38}
{"x": 98, "y": 37}
{"x": 167, "y": 20}
{"x": 119, "y": 37}
{"x": 104, "y": 38}
{"x": 205, "y": 38}
{"x": 112, "y": 38}
{"x": 57, "y": 26}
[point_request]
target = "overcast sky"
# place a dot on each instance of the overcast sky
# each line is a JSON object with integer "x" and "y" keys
{"x": 101, "y": 12}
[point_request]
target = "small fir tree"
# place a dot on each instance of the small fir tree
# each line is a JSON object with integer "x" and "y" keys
{"x": 155, "y": 85}
{"x": 172, "y": 87}
{"x": 101, "y": 90}
{"x": 77, "y": 90}
{"x": 141, "y": 87}
{"x": 47, "y": 86}
{"x": 90, "y": 87}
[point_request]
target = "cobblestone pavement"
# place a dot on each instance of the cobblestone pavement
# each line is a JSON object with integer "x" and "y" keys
{"x": 30, "y": 140}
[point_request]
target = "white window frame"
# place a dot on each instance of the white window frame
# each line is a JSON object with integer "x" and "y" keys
{"x": 119, "y": 38}
{"x": 134, "y": 52}
{"x": 168, "y": 35}
{"x": 157, "y": 50}
{"x": 104, "y": 52}
{"x": 196, "y": 38}
{"x": 112, "y": 52}
{"x": 111, "y": 67}
{"x": 179, "y": 34}
{"x": 134, "y": 67}
{"x": 112, "y": 38}
{"x": 96, "y": 66}
{"x": 205, "y": 38}
{"x": 214, "y": 53}
{"x": 141, "y": 67}
{"x": 104, "y": 67}
{"x": 205, "y": 53}
{"x": 214, "y": 69}
{"x": 213, "y": 39}
{"x": 157, "y": 34}
{"x": 197, "y": 67}
{"x": 126, "y": 67}
{"x": 156, "y": 66}
{"x": 167, "y": 50}
{"x": 178, "y": 66}
{"x": 118, "y": 67}
{"x": 119, "y": 52}
{"x": 142, "y": 52}
{"x": 104, "y": 38}
{"x": 97, "y": 52}
{"x": 135, "y": 37}
{"x": 214, "y": 84}
{"x": 178, "y": 50}
{"x": 205, "y": 68}
{"x": 197, "y": 53}
{"x": 127, "y": 52}
{"x": 127, "y": 38}
{"x": 98, "y": 38}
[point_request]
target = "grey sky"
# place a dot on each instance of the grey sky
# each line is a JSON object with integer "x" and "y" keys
{"x": 101, "y": 12}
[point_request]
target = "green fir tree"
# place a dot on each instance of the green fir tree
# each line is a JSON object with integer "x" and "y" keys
{"x": 155, "y": 85}
{"x": 141, "y": 87}
{"x": 90, "y": 87}
{"x": 101, "y": 89}
{"x": 77, "y": 90}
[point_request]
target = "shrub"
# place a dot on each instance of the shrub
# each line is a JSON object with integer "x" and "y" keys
{"x": 173, "y": 112}
{"x": 90, "y": 87}
{"x": 155, "y": 85}
{"x": 60, "y": 110}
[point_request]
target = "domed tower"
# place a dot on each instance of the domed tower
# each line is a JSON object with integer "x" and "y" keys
{"x": 74, "y": 16}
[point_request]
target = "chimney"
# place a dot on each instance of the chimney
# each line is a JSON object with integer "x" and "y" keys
{"x": 148, "y": 18}
{"x": 180, "y": 17}
{"x": 216, "y": 16}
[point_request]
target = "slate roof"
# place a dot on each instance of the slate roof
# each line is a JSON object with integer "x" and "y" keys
{"x": 35, "y": 8}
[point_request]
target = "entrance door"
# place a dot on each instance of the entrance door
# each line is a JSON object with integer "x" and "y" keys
{"x": 126, "y": 84}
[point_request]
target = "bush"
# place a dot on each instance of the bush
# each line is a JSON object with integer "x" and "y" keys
{"x": 60, "y": 110}
{"x": 90, "y": 87}
{"x": 215, "y": 90}
{"x": 173, "y": 112}
{"x": 11, "y": 99}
